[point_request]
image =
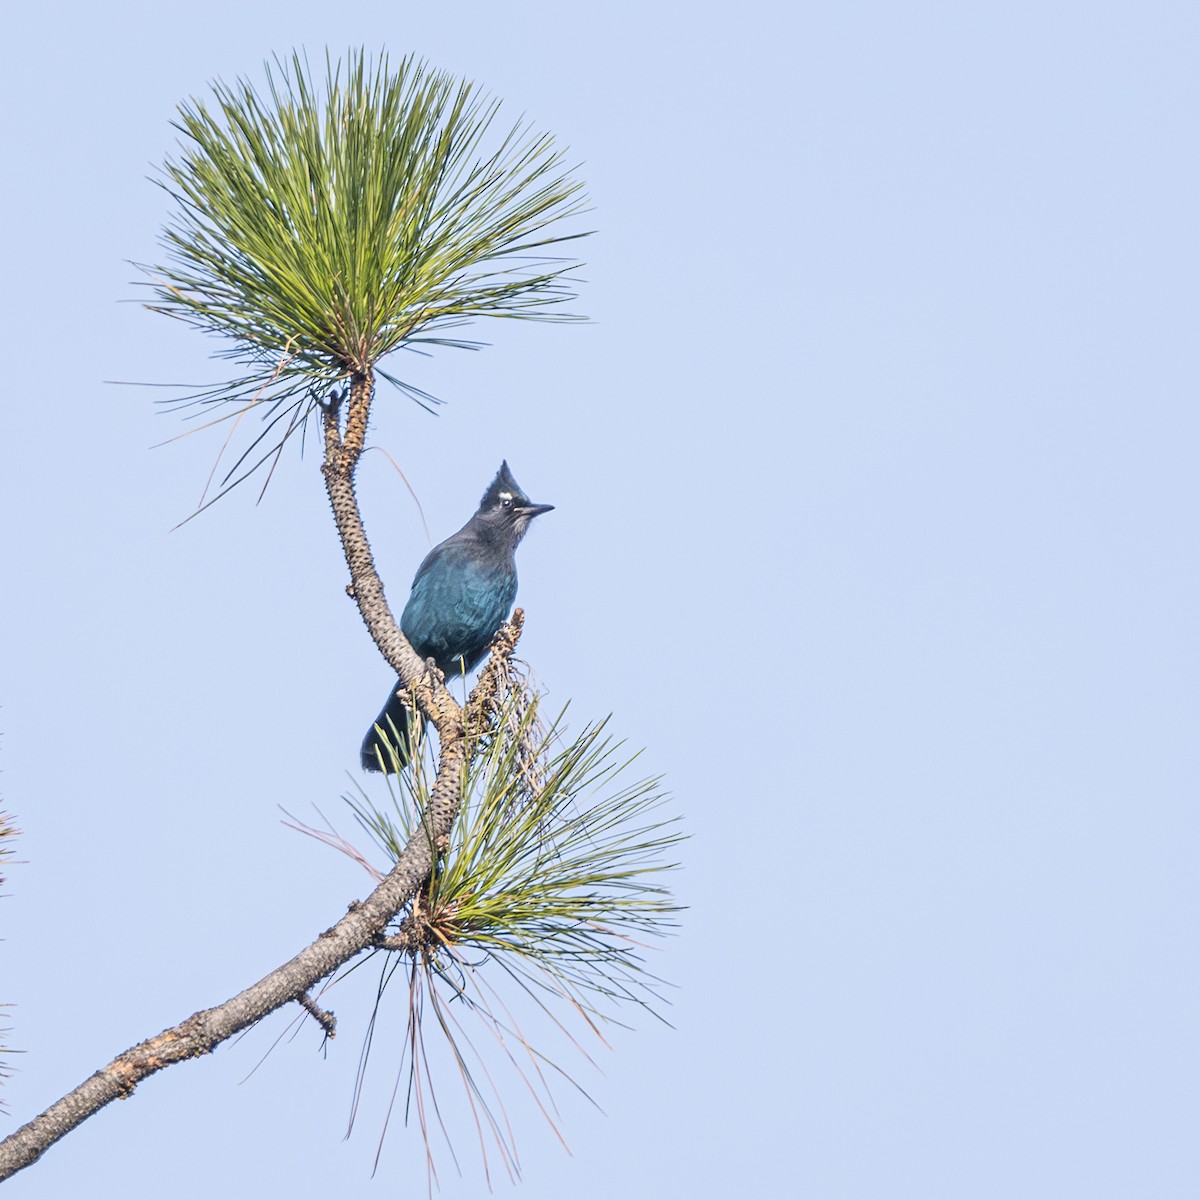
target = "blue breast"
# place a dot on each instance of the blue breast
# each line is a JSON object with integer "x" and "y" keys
{"x": 459, "y": 599}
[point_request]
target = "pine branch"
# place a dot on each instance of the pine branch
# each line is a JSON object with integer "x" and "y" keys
{"x": 364, "y": 923}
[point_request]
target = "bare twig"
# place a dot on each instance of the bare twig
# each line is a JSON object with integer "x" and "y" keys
{"x": 323, "y": 1017}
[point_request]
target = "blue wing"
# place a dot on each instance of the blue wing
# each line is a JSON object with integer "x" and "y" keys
{"x": 456, "y": 606}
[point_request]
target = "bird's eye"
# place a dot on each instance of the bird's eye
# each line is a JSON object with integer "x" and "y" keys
{"x": 506, "y": 503}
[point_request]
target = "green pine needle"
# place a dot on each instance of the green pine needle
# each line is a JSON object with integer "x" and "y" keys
{"x": 556, "y": 868}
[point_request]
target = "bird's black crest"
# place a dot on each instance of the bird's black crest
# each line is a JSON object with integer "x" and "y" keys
{"x": 504, "y": 482}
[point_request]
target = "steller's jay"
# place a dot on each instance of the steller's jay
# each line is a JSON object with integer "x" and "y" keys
{"x": 463, "y": 592}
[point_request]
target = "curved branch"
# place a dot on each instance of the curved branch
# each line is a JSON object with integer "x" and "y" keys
{"x": 342, "y": 452}
{"x": 363, "y": 926}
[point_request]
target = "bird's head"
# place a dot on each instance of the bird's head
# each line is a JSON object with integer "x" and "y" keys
{"x": 505, "y": 507}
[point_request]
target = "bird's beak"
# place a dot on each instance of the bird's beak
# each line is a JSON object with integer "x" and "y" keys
{"x": 535, "y": 510}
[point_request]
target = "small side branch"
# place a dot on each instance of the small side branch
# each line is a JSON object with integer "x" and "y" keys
{"x": 408, "y": 941}
{"x": 325, "y": 1019}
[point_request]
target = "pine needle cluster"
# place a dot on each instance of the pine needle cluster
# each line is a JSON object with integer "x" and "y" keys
{"x": 546, "y": 901}
{"x": 318, "y": 228}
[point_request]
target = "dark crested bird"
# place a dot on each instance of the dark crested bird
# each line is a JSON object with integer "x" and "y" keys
{"x": 461, "y": 595}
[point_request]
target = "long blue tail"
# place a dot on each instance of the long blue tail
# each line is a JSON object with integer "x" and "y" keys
{"x": 386, "y": 746}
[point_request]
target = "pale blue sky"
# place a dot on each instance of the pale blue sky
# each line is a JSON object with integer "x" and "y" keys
{"x": 875, "y": 484}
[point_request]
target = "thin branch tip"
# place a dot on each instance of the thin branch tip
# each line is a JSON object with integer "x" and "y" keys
{"x": 324, "y": 1018}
